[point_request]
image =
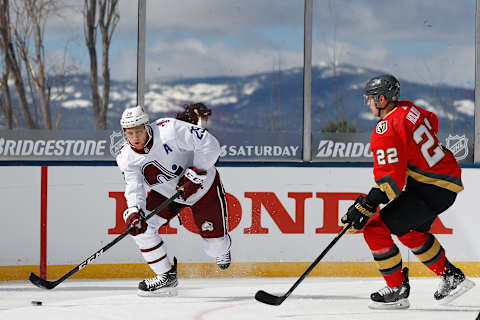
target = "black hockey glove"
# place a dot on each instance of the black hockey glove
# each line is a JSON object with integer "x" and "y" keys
{"x": 195, "y": 113}
{"x": 358, "y": 214}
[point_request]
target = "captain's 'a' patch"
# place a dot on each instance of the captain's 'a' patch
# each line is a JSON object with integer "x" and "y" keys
{"x": 381, "y": 127}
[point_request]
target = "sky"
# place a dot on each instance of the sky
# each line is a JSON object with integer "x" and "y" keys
{"x": 428, "y": 41}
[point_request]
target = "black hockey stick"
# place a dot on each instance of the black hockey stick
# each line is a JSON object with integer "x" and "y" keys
{"x": 273, "y": 300}
{"x": 45, "y": 284}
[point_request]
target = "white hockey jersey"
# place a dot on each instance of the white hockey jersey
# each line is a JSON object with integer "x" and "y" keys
{"x": 177, "y": 145}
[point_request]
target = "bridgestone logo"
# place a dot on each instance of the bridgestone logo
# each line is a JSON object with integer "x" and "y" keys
{"x": 52, "y": 147}
{"x": 333, "y": 149}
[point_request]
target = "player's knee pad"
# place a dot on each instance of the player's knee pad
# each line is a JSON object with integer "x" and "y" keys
{"x": 149, "y": 238}
{"x": 156, "y": 222}
{"x": 376, "y": 234}
{"x": 215, "y": 247}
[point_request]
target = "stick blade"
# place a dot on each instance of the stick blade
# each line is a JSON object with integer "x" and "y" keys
{"x": 41, "y": 283}
{"x": 267, "y": 298}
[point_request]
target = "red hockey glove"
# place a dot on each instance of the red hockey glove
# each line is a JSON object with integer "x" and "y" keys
{"x": 358, "y": 214}
{"x": 135, "y": 217}
{"x": 191, "y": 181}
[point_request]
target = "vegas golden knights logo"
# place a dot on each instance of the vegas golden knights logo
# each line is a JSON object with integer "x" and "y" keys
{"x": 381, "y": 127}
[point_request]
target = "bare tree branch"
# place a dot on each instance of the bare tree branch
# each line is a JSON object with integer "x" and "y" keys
{"x": 90, "y": 29}
{"x": 36, "y": 13}
{"x": 107, "y": 21}
{"x": 22, "y": 33}
{"x": 12, "y": 62}
{"x": 6, "y": 98}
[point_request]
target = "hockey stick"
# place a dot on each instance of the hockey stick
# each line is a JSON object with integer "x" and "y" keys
{"x": 45, "y": 284}
{"x": 273, "y": 300}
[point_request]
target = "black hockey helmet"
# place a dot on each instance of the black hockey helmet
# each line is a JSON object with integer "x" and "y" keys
{"x": 386, "y": 85}
{"x": 192, "y": 113}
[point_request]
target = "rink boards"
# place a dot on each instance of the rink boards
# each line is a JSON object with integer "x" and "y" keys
{"x": 281, "y": 218}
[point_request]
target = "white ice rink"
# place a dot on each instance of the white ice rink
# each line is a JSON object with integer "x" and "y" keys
{"x": 227, "y": 299}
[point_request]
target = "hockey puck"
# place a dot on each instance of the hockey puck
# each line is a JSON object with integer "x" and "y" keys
{"x": 37, "y": 303}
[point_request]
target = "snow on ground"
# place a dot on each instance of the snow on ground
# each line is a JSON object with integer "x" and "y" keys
{"x": 232, "y": 299}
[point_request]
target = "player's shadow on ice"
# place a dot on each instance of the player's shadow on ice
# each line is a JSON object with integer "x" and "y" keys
{"x": 451, "y": 308}
{"x": 327, "y": 297}
{"x": 292, "y": 297}
{"x": 80, "y": 288}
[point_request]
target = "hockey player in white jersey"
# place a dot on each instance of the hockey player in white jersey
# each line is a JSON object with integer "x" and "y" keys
{"x": 156, "y": 159}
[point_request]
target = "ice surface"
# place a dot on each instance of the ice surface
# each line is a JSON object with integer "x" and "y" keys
{"x": 232, "y": 299}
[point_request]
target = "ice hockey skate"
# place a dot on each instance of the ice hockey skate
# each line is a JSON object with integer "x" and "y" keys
{"x": 223, "y": 261}
{"x": 392, "y": 297}
{"x": 164, "y": 284}
{"x": 453, "y": 284}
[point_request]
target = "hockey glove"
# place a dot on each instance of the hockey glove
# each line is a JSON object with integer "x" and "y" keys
{"x": 135, "y": 217}
{"x": 195, "y": 113}
{"x": 191, "y": 181}
{"x": 358, "y": 214}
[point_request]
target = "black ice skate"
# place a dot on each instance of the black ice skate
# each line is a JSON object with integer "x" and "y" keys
{"x": 223, "y": 261}
{"x": 392, "y": 298}
{"x": 164, "y": 284}
{"x": 453, "y": 284}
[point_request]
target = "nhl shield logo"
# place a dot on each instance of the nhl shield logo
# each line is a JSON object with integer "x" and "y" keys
{"x": 381, "y": 127}
{"x": 458, "y": 145}
{"x": 116, "y": 143}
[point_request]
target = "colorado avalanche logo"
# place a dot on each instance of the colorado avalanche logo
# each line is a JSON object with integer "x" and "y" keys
{"x": 458, "y": 145}
{"x": 207, "y": 226}
{"x": 381, "y": 127}
{"x": 116, "y": 143}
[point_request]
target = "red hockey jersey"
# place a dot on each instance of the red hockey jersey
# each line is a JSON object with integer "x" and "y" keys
{"x": 404, "y": 143}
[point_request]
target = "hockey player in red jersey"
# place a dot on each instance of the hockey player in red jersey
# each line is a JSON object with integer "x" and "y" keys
{"x": 159, "y": 157}
{"x": 418, "y": 179}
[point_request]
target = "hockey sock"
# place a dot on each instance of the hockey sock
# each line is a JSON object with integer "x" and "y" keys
{"x": 153, "y": 249}
{"x": 389, "y": 262}
{"x": 427, "y": 249}
{"x": 432, "y": 255}
{"x": 156, "y": 258}
{"x": 385, "y": 252}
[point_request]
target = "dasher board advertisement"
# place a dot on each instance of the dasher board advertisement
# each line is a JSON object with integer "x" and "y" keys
{"x": 355, "y": 146}
{"x": 81, "y": 145}
{"x": 78, "y": 145}
{"x": 275, "y": 214}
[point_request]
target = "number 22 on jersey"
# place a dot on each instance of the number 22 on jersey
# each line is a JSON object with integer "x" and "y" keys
{"x": 430, "y": 150}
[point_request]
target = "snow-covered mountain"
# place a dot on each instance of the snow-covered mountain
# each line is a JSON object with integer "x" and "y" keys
{"x": 266, "y": 101}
